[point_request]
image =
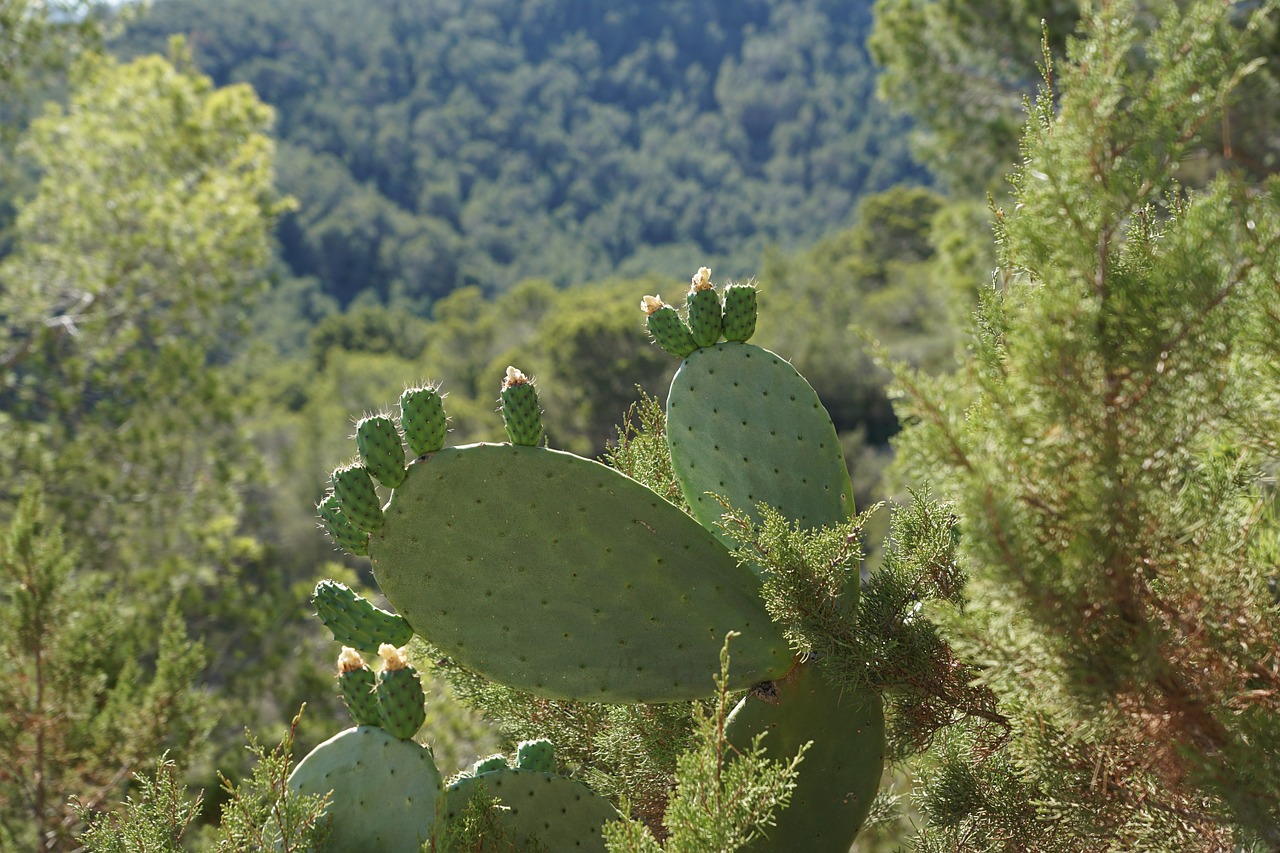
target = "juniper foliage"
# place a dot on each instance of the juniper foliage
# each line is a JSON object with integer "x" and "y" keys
{"x": 1109, "y": 448}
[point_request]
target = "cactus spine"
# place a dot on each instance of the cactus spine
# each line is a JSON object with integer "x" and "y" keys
{"x": 520, "y": 411}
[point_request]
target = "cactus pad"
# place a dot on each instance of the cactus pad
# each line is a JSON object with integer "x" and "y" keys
{"x": 667, "y": 328}
{"x": 381, "y": 450}
{"x": 579, "y": 583}
{"x": 357, "y": 497}
{"x": 357, "y": 682}
{"x": 541, "y": 809}
{"x": 743, "y": 424}
{"x": 536, "y": 755}
{"x": 386, "y": 791}
{"x": 497, "y": 761}
{"x": 354, "y": 621}
{"x": 400, "y": 696}
{"x": 841, "y": 771}
{"x": 739, "y": 312}
{"x": 340, "y": 529}
{"x": 423, "y": 420}
{"x": 705, "y": 317}
{"x": 520, "y": 411}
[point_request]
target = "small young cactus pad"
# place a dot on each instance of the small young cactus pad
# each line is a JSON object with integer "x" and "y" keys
{"x": 739, "y": 312}
{"x": 536, "y": 755}
{"x": 841, "y": 771}
{"x": 521, "y": 413}
{"x": 386, "y": 791}
{"x": 744, "y": 425}
{"x": 667, "y": 328}
{"x": 357, "y": 497}
{"x": 340, "y": 528}
{"x": 357, "y": 682}
{"x": 705, "y": 319}
{"x": 400, "y": 696}
{"x": 540, "y": 809}
{"x": 381, "y": 450}
{"x": 560, "y": 576}
{"x": 423, "y": 420}
{"x": 354, "y": 621}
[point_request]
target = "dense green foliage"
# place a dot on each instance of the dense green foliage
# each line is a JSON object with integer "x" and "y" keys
{"x": 964, "y": 69}
{"x": 1110, "y": 450}
{"x": 435, "y": 145}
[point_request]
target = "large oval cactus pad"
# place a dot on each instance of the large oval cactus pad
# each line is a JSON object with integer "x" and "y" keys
{"x": 840, "y": 773}
{"x": 386, "y": 791}
{"x": 743, "y": 424}
{"x": 539, "y": 808}
{"x": 557, "y": 575}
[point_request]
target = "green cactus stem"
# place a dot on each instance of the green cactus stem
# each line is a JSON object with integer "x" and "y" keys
{"x": 560, "y": 576}
{"x": 744, "y": 425}
{"x": 488, "y": 764}
{"x": 423, "y": 420}
{"x": 357, "y": 682}
{"x": 520, "y": 411}
{"x": 385, "y": 793}
{"x": 357, "y": 497}
{"x": 667, "y": 328}
{"x": 354, "y": 621}
{"x": 739, "y": 312}
{"x": 401, "y": 702}
{"x": 841, "y": 771}
{"x": 340, "y": 529}
{"x": 705, "y": 313}
{"x": 381, "y": 450}
{"x": 539, "y": 811}
{"x": 537, "y": 755}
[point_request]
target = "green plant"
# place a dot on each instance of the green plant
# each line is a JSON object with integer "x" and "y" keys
{"x": 569, "y": 582}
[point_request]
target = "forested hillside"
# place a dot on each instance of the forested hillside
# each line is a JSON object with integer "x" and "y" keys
{"x": 434, "y": 144}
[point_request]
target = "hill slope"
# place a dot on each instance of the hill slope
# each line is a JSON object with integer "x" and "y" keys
{"x": 435, "y": 143}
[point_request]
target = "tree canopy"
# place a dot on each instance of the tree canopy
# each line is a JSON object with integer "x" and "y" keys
{"x": 434, "y": 144}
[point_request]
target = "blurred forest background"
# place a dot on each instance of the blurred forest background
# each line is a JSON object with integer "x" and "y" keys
{"x": 215, "y": 250}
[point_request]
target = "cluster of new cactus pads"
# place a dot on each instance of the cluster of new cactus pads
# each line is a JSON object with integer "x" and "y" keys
{"x": 560, "y": 576}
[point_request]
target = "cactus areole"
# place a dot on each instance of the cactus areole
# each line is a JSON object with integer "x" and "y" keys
{"x": 582, "y": 584}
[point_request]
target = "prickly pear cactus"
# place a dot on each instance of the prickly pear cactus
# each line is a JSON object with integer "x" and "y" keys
{"x": 520, "y": 412}
{"x": 423, "y": 420}
{"x": 703, "y": 304}
{"x": 744, "y": 425}
{"x": 539, "y": 808}
{"x": 840, "y": 773}
{"x": 381, "y": 450}
{"x": 557, "y": 575}
{"x": 358, "y": 683}
{"x": 400, "y": 697}
{"x": 536, "y": 755}
{"x": 386, "y": 792}
{"x": 739, "y": 312}
{"x": 340, "y": 529}
{"x": 667, "y": 328}
{"x": 354, "y": 621}
{"x": 358, "y": 499}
